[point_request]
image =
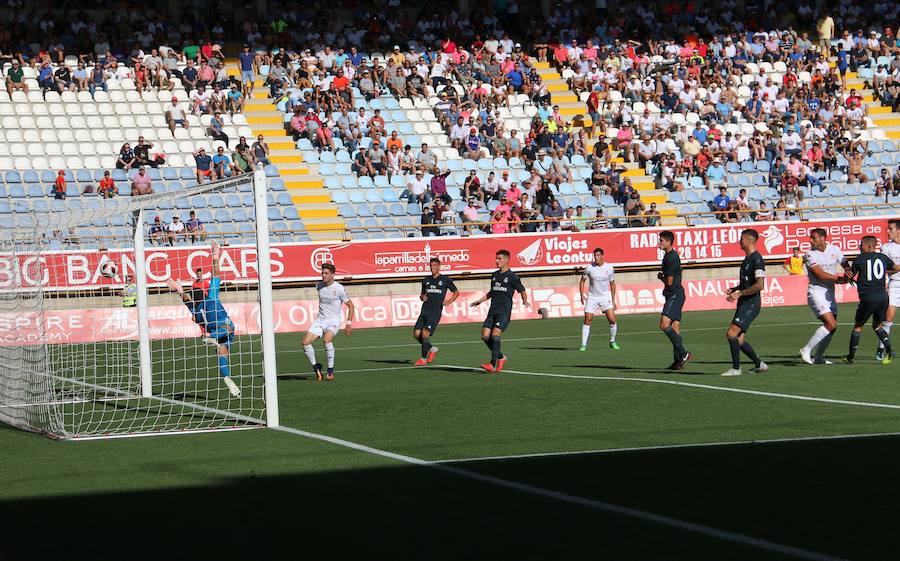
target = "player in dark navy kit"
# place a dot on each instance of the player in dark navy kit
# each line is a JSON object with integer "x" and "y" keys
{"x": 434, "y": 290}
{"x": 749, "y": 301}
{"x": 670, "y": 319}
{"x": 871, "y": 270}
{"x": 503, "y": 284}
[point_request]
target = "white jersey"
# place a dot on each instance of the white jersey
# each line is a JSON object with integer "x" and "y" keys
{"x": 829, "y": 260}
{"x": 892, "y": 250}
{"x": 331, "y": 300}
{"x": 599, "y": 276}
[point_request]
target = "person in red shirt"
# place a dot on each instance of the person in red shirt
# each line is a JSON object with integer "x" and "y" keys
{"x": 107, "y": 188}
{"x": 59, "y": 186}
{"x": 448, "y": 46}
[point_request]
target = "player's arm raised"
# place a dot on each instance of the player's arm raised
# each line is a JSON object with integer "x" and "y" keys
{"x": 176, "y": 287}
{"x": 216, "y": 252}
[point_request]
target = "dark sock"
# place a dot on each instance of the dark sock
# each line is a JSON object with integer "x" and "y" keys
{"x": 426, "y": 345}
{"x": 885, "y": 340}
{"x": 751, "y": 354}
{"x": 677, "y": 345}
{"x": 495, "y": 350}
{"x": 854, "y": 342}
{"x": 735, "y": 345}
{"x": 489, "y": 342}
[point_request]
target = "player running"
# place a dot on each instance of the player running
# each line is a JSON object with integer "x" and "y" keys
{"x": 892, "y": 250}
{"x": 823, "y": 261}
{"x": 209, "y": 313}
{"x": 434, "y": 290}
{"x": 503, "y": 283}
{"x": 332, "y": 296}
{"x": 870, "y": 270}
{"x": 747, "y": 293}
{"x": 670, "y": 319}
{"x": 601, "y": 297}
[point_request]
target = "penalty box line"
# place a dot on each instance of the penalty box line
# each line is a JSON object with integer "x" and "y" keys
{"x": 593, "y": 504}
{"x": 670, "y": 382}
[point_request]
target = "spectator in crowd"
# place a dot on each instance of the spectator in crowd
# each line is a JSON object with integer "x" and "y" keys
{"x": 439, "y": 186}
{"x": 793, "y": 265}
{"x": 142, "y": 154}
{"x": 158, "y": 232}
{"x": 427, "y": 159}
{"x": 567, "y": 222}
{"x": 175, "y": 230}
{"x": 194, "y": 228}
{"x": 141, "y": 184}
{"x": 15, "y": 78}
{"x": 652, "y": 216}
{"x": 554, "y": 214}
{"x": 634, "y": 210}
{"x": 216, "y": 128}
{"x": 715, "y": 175}
{"x": 470, "y": 215}
{"x": 175, "y": 116}
{"x": 59, "y": 186}
{"x": 126, "y": 157}
{"x": 721, "y": 201}
{"x": 261, "y": 151}
{"x": 764, "y": 213}
{"x": 234, "y": 100}
{"x": 417, "y": 189}
{"x": 600, "y": 222}
{"x": 222, "y": 164}
{"x": 204, "y": 165}
{"x": 107, "y": 187}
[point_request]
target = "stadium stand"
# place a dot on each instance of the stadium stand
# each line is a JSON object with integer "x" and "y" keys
{"x": 627, "y": 127}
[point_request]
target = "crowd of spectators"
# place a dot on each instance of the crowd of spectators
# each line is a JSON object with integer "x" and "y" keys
{"x": 177, "y": 231}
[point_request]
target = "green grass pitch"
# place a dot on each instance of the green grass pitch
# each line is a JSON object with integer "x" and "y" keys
{"x": 556, "y": 422}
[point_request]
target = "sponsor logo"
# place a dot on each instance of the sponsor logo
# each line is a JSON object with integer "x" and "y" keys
{"x": 531, "y": 254}
{"x": 319, "y": 257}
{"x": 773, "y": 237}
{"x": 417, "y": 261}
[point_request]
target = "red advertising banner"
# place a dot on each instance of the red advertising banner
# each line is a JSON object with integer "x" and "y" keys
{"x": 104, "y": 324}
{"x": 409, "y": 256}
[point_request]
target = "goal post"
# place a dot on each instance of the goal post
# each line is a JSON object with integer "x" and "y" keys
{"x": 94, "y": 343}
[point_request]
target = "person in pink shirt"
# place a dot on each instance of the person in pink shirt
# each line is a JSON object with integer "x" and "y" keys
{"x": 499, "y": 222}
{"x": 794, "y": 167}
{"x": 504, "y": 208}
{"x": 590, "y": 51}
{"x": 513, "y": 193}
{"x": 623, "y": 141}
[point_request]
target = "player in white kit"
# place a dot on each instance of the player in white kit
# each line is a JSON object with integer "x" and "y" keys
{"x": 825, "y": 267}
{"x": 601, "y": 297}
{"x": 892, "y": 250}
{"x": 332, "y": 297}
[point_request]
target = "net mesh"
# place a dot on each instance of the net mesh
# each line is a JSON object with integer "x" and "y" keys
{"x": 70, "y": 360}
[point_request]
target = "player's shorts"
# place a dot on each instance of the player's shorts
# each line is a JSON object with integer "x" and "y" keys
{"x": 600, "y": 304}
{"x": 674, "y": 304}
{"x": 894, "y": 293}
{"x": 428, "y": 321}
{"x": 822, "y": 302}
{"x": 321, "y": 325}
{"x": 497, "y": 319}
{"x": 875, "y": 309}
{"x": 745, "y": 313}
{"x": 223, "y": 334}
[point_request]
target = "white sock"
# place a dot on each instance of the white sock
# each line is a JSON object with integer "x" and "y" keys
{"x": 887, "y": 325}
{"x": 310, "y": 353}
{"x": 823, "y": 346}
{"x": 613, "y": 329}
{"x": 329, "y": 353}
{"x": 816, "y": 338}
{"x": 585, "y": 334}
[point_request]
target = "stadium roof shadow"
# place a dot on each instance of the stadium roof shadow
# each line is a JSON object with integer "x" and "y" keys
{"x": 826, "y": 496}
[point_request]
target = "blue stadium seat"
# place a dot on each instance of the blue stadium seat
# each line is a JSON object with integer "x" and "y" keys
{"x": 274, "y": 213}
{"x": 389, "y": 196}
{"x": 290, "y": 213}
{"x": 83, "y": 176}
{"x": 271, "y": 171}
{"x": 373, "y": 196}
{"x": 276, "y": 184}
{"x": 239, "y": 215}
{"x": 350, "y": 182}
{"x": 13, "y": 176}
{"x": 380, "y": 210}
{"x": 365, "y": 182}
{"x": 36, "y": 190}
{"x": 340, "y": 197}
{"x": 364, "y": 211}
{"x": 232, "y": 200}
{"x": 356, "y": 196}
{"x": 397, "y": 209}
{"x": 343, "y": 157}
{"x": 347, "y": 211}
{"x": 31, "y": 176}
{"x": 16, "y": 191}
{"x": 284, "y": 198}
{"x": 413, "y": 208}
{"x": 381, "y": 181}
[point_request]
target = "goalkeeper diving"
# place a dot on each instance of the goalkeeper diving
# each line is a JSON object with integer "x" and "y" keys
{"x": 209, "y": 313}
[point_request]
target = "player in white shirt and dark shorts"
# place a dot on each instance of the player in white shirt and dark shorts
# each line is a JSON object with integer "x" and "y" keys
{"x": 600, "y": 298}
{"x": 332, "y": 297}
{"x": 825, "y": 267}
{"x": 892, "y": 250}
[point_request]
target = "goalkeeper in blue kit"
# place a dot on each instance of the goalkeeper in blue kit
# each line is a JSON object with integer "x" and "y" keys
{"x": 209, "y": 313}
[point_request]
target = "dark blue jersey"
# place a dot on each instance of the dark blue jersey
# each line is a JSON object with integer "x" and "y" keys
{"x": 436, "y": 291}
{"x": 503, "y": 288}
{"x": 753, "y": 267}
{"x": 671, "y": 267}
{"x": 872, "y": 270}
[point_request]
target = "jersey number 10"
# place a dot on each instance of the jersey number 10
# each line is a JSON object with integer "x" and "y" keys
{"x": 874, "y": 270}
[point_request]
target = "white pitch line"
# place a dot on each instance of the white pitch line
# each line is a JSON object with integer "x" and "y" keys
{"x": 477, "y": 341}
{"x": 689, "y": 385}
{"x": 603, "y": 506}
{"x": 670, "y": 447}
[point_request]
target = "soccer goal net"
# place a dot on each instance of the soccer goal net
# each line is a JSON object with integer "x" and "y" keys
{"x": 115, "y": 323}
